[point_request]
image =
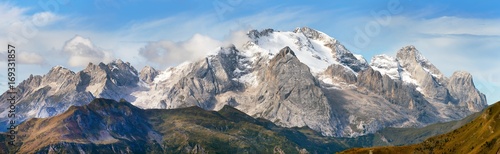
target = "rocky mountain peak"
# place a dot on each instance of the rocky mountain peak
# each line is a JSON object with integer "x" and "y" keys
{"x": 59, "y": 72}
{"x": 387, "y": 65}
{"x": 313, "y": 48}
{"x": 309, "y": 33}
{"x": 119, "y": 64}
{"x": 119, "y": 72}
{"x": 91, "y": 67}
{"x": 411, "y": 67}
{"x": 289, "y": 87}
{"x": 255, "y": 34}
{"x": 285, "y": 51}
{"x": 409, "y": 54}
{"x": 464, "y": 93}
{"x": 463, "y": 79}
{"x": 118, "y": 61}
{"x": 463, "y": 74}
{"x": 285, "y": 57}
{"x": 315, "y": 35}
{"x": 123, "y": 73}
{"x": 58, "y": 68}
{"x": 148, "y": 74}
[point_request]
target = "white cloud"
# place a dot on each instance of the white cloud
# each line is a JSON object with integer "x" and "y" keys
{"x": 30, "y": 58}
{"x": 456, "y": 25}
{"x": 10, "y": 13}
{"x": 45, "y": 18}
{"x": 237, "y": 38}
{"x": 8, "y": 16}
{"x": 206, "y": 32}
{"x": 16, "y": 22}
{"x": 19, "y": 26}
{"x": 182, "y": 26}
{"x": 82, "y": 50}
{"x": 168, "y": 53}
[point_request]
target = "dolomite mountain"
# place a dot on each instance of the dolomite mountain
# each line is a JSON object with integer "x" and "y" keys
{"x": 292, "y": 78}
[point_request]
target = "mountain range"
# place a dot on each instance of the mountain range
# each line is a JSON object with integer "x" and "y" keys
{"x": 293, "y": 78}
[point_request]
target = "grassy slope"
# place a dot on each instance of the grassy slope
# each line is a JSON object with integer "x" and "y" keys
{"x": 408, "y": 136}
{"x": 482, "y": 135}
{"x": 193, "y": 126}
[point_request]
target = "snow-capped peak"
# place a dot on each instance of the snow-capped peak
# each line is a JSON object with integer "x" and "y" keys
{"x": 412, "y": 53}
{"x": 386, "y": 65}
{"x": 409, "y": 66}
{"x": 409, "y": 55}
{"x": 167, "y": 74}
{"x": 313, "y": 48}
{"x": 391, "y": 67}
{"x": 316, "y": 35}
{"x": 57, "y": 67}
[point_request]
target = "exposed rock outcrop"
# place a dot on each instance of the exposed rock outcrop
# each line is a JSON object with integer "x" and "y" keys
{"x": 464, "y": 93}
{"x": 148, "y": 74}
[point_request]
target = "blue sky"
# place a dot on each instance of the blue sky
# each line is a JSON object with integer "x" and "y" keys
{"x": 453, "y": 35}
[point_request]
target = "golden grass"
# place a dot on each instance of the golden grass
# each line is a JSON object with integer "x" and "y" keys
{"x": 482, "y": 135}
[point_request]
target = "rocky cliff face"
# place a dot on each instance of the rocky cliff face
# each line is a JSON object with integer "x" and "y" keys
{"x": 399, "y": 93}
{"x": 412, "y": 68}
{"x": 290, "y": 89}
{"x": 428, "y": 77}
{"x": 148, "y": 74}
{"x": 340, "y": 74}
{"x": 464, "y": 93}
{"x": 111, "y": 80}
{"x": 298, "y": 78}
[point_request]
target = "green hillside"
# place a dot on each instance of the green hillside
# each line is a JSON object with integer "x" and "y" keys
{"x": 482, "y": 135}
{"x": 408, "y": 136}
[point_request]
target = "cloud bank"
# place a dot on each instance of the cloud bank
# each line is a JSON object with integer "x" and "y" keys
{"x": 82, "y": 50}
{"x": 169, "y": 53}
